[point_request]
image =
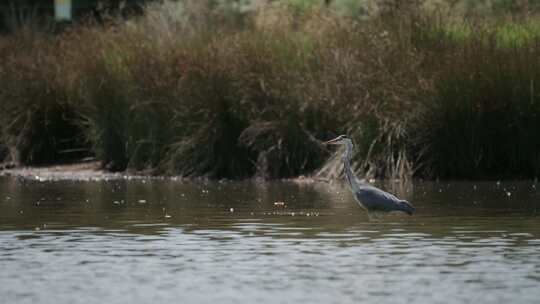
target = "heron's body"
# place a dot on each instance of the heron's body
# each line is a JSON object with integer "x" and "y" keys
{"x": 368, "y": 197}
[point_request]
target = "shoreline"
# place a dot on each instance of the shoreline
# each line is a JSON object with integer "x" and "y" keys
{"x": 78, "y": 171}
{"x": 93, "y": 171}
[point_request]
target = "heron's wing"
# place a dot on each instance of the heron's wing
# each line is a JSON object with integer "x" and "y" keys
{"x": 376, "y": 199}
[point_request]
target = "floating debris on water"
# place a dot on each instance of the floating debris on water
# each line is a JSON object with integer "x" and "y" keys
{"x": 168, "y": 216}
{"x": 279, "y": 204}
{"x": 231, "y": 210}
{"x": 141, "y": 201}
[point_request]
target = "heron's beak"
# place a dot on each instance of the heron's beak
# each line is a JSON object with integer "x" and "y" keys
{"x": 334, "y": 141}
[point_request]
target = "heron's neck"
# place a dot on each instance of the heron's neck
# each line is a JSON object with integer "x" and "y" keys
{"x": 351, "y": 178}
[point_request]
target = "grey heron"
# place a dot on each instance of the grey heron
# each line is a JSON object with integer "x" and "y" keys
{"x": 368, "y": 197}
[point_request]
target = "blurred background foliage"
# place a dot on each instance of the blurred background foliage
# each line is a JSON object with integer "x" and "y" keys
{"x": 237, "y": 89}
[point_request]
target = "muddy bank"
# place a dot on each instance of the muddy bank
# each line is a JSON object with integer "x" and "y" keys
{"x": 93, "y": 171}
{"x": 84, "y": 171}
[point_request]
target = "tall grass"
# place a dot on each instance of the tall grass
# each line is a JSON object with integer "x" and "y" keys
{"x": 198, "y": 89}
{"x": 37, "y": 121}
{"x": 483, "y": 121}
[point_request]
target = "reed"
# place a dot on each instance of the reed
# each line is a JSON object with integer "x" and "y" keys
{"x": 198, "y": 89}
{"x": 481, "y": 122}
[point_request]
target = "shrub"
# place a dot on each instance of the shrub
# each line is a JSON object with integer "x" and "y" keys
{"x": 200, "y": 88}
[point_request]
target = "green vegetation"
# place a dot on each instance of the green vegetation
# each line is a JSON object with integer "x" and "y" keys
{"x": 230, "y": 91}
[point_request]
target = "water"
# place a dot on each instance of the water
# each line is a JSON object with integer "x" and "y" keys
{"x": 161, "y": 241}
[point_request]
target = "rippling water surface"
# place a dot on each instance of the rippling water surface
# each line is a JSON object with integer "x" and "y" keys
{"x": 160, "y": 241}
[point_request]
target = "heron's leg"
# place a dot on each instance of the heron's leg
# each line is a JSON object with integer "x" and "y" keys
{"x": 375, "y": 216}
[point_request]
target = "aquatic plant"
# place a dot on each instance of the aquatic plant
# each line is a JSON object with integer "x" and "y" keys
{"x": 187, "y": 88}
{"x": 37, "y": 122}
{"x": 482, "y": 117}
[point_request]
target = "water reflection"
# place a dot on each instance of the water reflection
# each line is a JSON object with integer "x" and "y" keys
{"x": 156, "y": 241}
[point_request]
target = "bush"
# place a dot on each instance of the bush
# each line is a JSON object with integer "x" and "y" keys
{"x": 480, "y": 123}
{"x": 199, "y": 88}
{"x": 38, "y": 124}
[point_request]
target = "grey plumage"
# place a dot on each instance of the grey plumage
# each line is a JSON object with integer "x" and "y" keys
{"x": 368, "y": 196}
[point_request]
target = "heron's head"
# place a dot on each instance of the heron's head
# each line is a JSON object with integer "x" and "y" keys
{"x": 340, "y": 140}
